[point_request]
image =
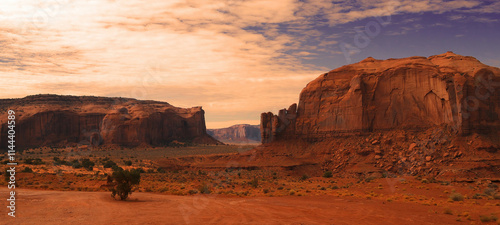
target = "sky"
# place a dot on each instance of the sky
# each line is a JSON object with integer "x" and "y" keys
{"x": 235, "y": 58}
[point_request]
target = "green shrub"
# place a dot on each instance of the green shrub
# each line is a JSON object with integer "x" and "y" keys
{"x": 490, "y": 191}
{"x": 477, "y": 196}
{"x": 486, "y": 219}
{"x": 116, "y": 168}
{"x": 456, "y": 197}
{"x": 128, "y": 163}
{"x": 204, "y": 189}
{"x": 87, "y": 164}
{"x": 192, "y": 192}
{"x": 327, "y": 174}
{"x": 27, "y": 170}
{"x": 266, "y": 191}
{"x": 109, "y": 164}
{"x": 369, "y": 179}
{"x": 254, "y": 183}
{"x": 123, "y": 182}
{"x": 140, "y": 170}
{"x": 36, "y": 161}
{"x": 304, "y": 177}
{"x": 76, "y": 164}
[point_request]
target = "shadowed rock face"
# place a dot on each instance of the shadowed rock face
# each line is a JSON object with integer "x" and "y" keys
{"x": 409, "y": 93}
{"x": 58, "y": 120}
{"x": 237, "y": 134}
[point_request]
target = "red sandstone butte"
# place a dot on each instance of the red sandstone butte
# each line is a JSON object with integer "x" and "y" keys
{"x": 408, "y": 93}
{"x": 54, "y": 120}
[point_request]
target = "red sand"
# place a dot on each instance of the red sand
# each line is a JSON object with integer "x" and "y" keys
{"x": 68, "y": 207}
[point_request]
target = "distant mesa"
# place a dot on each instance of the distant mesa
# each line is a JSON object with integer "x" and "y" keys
{"x": 55, "y": 120}
{"x": 409, "y": 93}
{"x": 237, "y": 134}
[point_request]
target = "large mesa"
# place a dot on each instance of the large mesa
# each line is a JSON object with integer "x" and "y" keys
{"x": 54, "y": 120}
{"x": 408, "y": 93}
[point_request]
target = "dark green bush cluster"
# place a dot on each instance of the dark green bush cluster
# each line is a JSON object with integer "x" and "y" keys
{"x": 204, "y": 189}
{"x": 108, "y": 163}
{"x": 456, "y": 197}
{"x": 486, "y": 219}
{"x": 82, "y": 163}
{"x": 123, "y": 182}
{"x": 36, "y": 161}
{"x": 87, "y": 164}
{"x": 328, "y": 174}
{"x": 58, "y": 161}
{"x": 27, "y": 170}
{"x": 254, "y": 183}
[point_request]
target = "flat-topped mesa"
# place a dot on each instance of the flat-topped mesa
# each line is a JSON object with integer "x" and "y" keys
{"x": 408, "y": 93}
{"x": 54, "y": 120}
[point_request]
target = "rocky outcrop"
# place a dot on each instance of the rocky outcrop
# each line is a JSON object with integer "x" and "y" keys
{"x": 237, "y": 134}
{"x": 48, "y": 120}
{"x": 409, "y": 93}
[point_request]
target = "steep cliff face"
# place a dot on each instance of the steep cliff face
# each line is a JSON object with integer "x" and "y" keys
{"x": 237, "y": 134}
{"x": 409, "y": 93}
{"x": 59, "y": 120}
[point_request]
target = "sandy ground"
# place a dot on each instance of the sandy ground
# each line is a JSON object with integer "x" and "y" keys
{"x": 69, "y": 207}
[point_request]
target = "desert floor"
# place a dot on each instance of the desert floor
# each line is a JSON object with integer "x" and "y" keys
{"x": 70, "y": 207}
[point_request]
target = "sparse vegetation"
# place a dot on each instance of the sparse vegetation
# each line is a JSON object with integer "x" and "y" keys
{"x": 204, "y": 189}
{"x": 486, "y": 219}
{"x": 490, "y": 192}
{"x": 27, "y": 170}
{"x": 327, "y": 174}
{"x": 369, "y": 179}
{"x": 108, "y": 164}
{"x": 456, "y": 197}
{"x": 254, "y": 183}
{"x": 35, "y": 161}
{"x": 87, "y": 164}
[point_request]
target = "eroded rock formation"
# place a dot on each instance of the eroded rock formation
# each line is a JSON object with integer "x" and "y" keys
{"x": 237, "y": 134}
{"x": 409, "y": 93}
{"x": 43, "y": 120}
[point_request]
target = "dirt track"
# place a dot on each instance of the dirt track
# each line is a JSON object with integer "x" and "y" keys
{"x": 58, "y": 207}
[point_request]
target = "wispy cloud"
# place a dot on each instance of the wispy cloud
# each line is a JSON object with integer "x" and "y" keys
{"x": 233, "y": 57}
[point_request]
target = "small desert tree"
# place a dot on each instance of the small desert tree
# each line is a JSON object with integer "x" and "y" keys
{"x": 122, "y": 182}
